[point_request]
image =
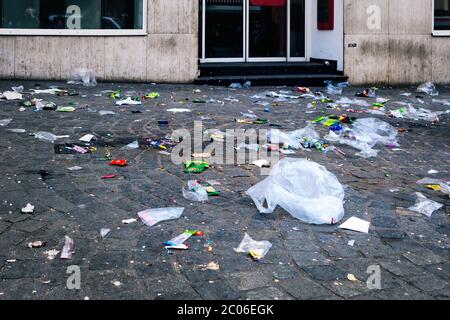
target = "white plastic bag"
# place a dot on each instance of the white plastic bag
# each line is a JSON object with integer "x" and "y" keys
{"x": 428, "y": 88}
{"x": 374, "y": 131}
{"x": 48, "y": 137}
{"x": 153, "y": 216}
{"x": 132, "y": 146}
{"x": 304, "y": 189}
{"x": 5, "y": 122}
{"x": 195, "y": 192}
{"x": 292, "y": 139}
{"x": 425, "y": 206}
{"x": 86, "y": 77}
{"x": 256, "y": 249}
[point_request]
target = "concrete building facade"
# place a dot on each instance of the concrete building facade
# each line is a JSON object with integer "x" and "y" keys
{"x": 372, "y": 41}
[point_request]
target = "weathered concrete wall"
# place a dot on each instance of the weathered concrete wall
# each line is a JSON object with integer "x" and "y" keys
{"x": 167, "y": 54}
{"x": 400, "y": 50}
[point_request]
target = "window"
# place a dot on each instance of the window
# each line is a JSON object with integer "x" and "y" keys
{"x": 73, "y": 17}
{"x": 441, "y": 17}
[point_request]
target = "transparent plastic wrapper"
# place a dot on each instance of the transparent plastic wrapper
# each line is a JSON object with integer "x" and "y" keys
{"x": 429, "y": 88}
{"x": 292, "y": 139}
{"x": 195, "y": 192}
{"x": 68, "y": 249}
{"x": 256, "y": 249}
{"x": 443, "y": 184}
{"x": 374, "y": 131}
{"x": 335, "y": 89}
{"x": 425, "y": 206}
{"x": 5, "y": 122}
{"x": 132, "y": 146}
{"x": 348, "y": 101}
{"x": 86, "y": 77}
{"x": 366, "y": 151}
{"x": 304, "y": 189}
{"x": 46, "y": 136}
{"x": 409, "y": 112}
{"x": 150, "y": 217}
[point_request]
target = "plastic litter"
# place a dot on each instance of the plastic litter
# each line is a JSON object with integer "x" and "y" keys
{"x": 5, "y": 122}
{"x": 128, "y": 101}
{"x": 195, "y": 191}
{"x": 409, "y": 112}
{"x": 87, "y": 138}
{"x": 335, "y": 89}
{"x": 429, "y": 88}
{"x": 132, "y": 146}
{"x": 195, "y": 166}
{"x": 104, "y": 232}
{"x": 68, "y": 249}
{"x": 237, "y": 85}
{"x": 48, "y": 137}
{"x": 106, "y": 112}
{"x": 256, "y": 249}
{"x": 29, "y": 209}
{"x": 129, "y": 221}
{"x": 292, "y": 139}
{"x": 47, "y": 91}
{"x": 36, "y": 244}
{"x": 151, "y": 217}
{"x": 86, "y": 77}
{"x": 347, "y": 101}
{"x": 119, "y": 163}
{"x": 304, "y": 189}
{"x": 366, "y": 93}
{"x": 356, "y": 224}
{"x": 177, "y": 243}
{"x": 425, "y": 206}
{"x": 12, "y": 95}
{"x": 178, "y": 110}
{"x": 17, "y": 130}
{"x": 374, "y": 131}
{"x": 65, "y": 109}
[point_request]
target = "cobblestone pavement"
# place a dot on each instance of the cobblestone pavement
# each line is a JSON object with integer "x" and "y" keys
{"x": 305, "y": 262}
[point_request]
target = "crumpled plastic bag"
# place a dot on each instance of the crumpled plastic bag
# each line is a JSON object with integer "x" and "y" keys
{"x": 374, "y": 131}
{"x": 5, "y": 122}
{"x": 195, "y": 192}
{"x": 445, "y": 185}
{"x": 425, "y": 206}
{"x": 369, "y": 132}
{"x": 429, "y": 88}
{"x": 48, "y": 136}
{"x": 304, "y": 189}
{"x": 409, "y": 112}
{"x": 86, "y": 77}
{"x": 132, "y": 146}
{"x": 347, "y": 101}
{"x": 256, "y": 249}
{"x": 335, "y": 89}
{"x": 150, "y": 217}
{"x": 292, "y": 139}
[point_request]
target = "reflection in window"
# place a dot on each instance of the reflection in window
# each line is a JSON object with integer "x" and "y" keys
{"x": 71, "y": 14}
{"x": 441, "y": 14}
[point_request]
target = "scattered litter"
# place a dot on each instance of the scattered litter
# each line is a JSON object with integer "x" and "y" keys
{"x": 151, "y": 217}
{"x": 104, "y": 232}
{"x": 433, "y": 172}
{"x": 5, "y": 122}
{"x": 86, "y": 77}
{"x": 110, "y": 176}
{"x": 68, "y": 249}
{"x": 210, "y": 266}
{"x": 48, "y": 137}
{"x": 132, "y": 146}
{"x": 177, "y": 243}
{"x": 128, "y": 101}
{"x": 76, "y": 168}
{"x": 195, "y": 192}
{"x": 409, "y": 112}
{"x": 129, "y": 221}
{"x": 51, "y": 254}
{"x": 17, "y": 130}
{"x": 47, "y": 91}
{"x": 257, "y": 250}
{"x": 351, "y": 243}
{"x": 12, "y": 95}
{"x": 352, "y": 278}
{"x": 425, "y": 206}
{"x": 304, "y": 189}
{"x": 119, "y": 163}
{"x": 195, "y": 166}
{"x": 116, "y": 283}
{"x": 36, "y": 244}
{"x": 261, "y": 163}
{"x": 178, "y": 110}
{"x": 429, "y": 88}
{"x": 106, "y": 112}
{"x": 356, "y": 224}
{"x": 29, "y": 209}
{"x": 87, "y": 138}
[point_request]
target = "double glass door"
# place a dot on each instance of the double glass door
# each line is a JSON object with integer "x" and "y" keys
{"x": 252, "y": 30}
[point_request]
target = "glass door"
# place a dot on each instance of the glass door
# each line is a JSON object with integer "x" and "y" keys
{"x": 223, "y": 31}
{"x": 267, "y": 30}
{"x": 252, "y": 30}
